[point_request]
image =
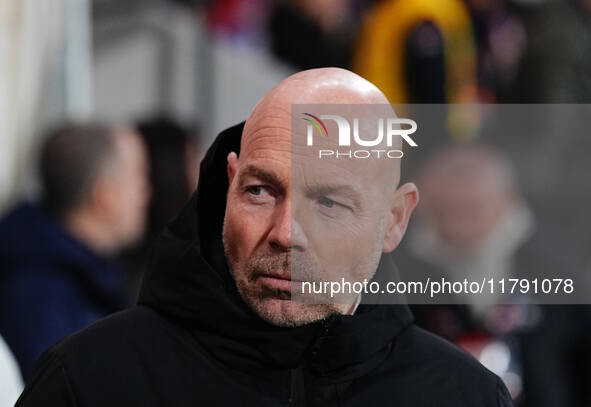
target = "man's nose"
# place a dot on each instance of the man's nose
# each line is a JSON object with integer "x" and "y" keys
{"x": 286, "y": 232}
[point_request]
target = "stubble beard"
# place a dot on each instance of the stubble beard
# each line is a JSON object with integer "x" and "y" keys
{"x": 273, "y": 305}
{"x": 277, "y": 306}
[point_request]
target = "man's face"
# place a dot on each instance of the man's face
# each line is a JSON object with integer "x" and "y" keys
{"x": 464, "y": 205}
{"x": 291, "y": 217}
{"x": 465, "y": 213}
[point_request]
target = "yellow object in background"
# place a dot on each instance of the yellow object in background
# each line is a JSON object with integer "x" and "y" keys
{"x": 380, "y": 50}
{"x": 381, "y": 46}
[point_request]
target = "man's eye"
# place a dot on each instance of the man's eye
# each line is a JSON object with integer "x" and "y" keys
{"x": 329, "y": 203}
{"x": 255, "y": 189}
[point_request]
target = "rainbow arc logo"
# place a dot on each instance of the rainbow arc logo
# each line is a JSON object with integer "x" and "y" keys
{"x": 317, "y": 123}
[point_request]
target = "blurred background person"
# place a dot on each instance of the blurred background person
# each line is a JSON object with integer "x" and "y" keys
{"x": 174, "y": 155}
{"x": 58, "y": 271}
{"x": 473, "y": 223}
{"x": 500, "y": 39}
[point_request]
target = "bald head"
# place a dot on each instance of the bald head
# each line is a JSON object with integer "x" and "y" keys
{"x": 323, "y": 86}
{"x": 317, "y": 86}
{"x": 327, "y": 85}
{"x": 291, "y": 216}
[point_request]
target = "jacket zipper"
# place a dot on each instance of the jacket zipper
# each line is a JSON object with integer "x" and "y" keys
{"x": 297, "y": 395}
{"x": 297, "y": 392}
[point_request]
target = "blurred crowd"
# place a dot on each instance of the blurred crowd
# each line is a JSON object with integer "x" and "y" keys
{"x": 455, "y": 51}
{"x": 77, "y": 252}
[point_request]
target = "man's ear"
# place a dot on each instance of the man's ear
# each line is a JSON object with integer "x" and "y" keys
{"x": 232, "y": 167}
{"x": 405, "y": 200}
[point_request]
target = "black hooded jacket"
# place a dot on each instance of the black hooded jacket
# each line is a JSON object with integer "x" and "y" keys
{"x": 192, "y": 341}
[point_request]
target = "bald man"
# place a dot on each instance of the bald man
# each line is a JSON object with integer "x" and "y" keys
{"x": 223, "y": 317}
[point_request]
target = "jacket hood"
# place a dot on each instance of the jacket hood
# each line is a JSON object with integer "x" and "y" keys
{"x": 189, "y": 283}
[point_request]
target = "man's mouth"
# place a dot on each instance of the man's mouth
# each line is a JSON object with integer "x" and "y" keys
{"x": 278, "y": 281}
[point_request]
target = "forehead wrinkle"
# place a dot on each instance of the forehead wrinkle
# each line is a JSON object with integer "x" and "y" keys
{"x": 279, "y": 152}
{"x": 325, "y": 179}
{"x": 265, "y": 115}
{"x": 373, "y": 181}
{"x": 277, "y": 130}
{"x": 267, "y": 119}
{"x": 332, "y": 168}
{"x": 274, "y": 134}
